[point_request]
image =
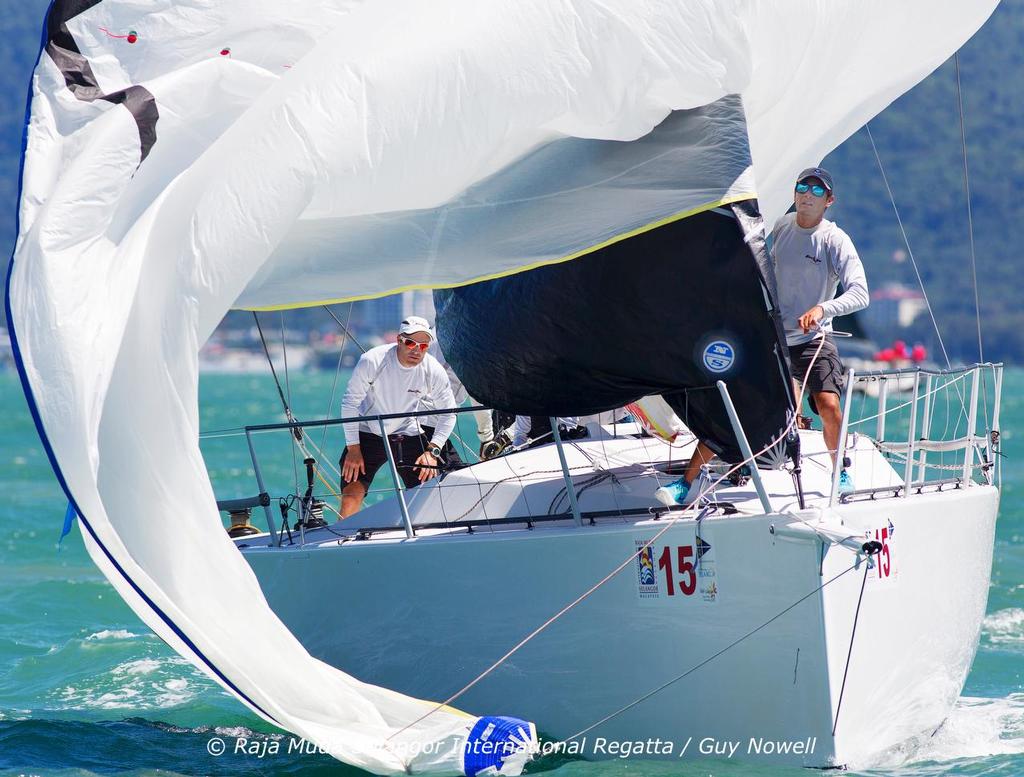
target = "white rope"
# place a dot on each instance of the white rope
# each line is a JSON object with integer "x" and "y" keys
{"x": 710, "y": 658}
{"x": 676, "y": 517}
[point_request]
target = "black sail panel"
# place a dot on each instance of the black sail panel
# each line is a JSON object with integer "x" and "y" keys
{"x": 669, "y": 311}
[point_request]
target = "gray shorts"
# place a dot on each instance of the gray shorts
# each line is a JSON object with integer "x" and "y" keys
{"x": 826, "y": 373}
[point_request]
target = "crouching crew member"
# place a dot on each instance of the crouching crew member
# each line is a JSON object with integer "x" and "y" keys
{"x": 532, "y": 430}
{"x": 397, "y": 378}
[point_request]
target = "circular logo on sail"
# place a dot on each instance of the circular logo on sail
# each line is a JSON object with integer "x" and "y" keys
{"x": 719, "y": 356}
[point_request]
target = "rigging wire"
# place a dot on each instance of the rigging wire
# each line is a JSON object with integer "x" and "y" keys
{"x": 906, "y": 242}
{"x": 710, "y": 658}
{"x": 344, "y": 328}
{"x": 288, "y": 388}
{"x": 296, "y": 430}
{"x": 849, "y": 652}
{"x": 913, "y": 261}
{"x": 614, "y": 485}
{"x": 970, "y": 216}
{"x": 229, "y": 431}
{"x": 970, "y": 230}
{"x": 676, "y": 517}
{"x": 284, "y": 354}
{"x": 345, "y": 337}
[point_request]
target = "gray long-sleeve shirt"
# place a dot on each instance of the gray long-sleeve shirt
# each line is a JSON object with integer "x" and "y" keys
{"x": 809, "y": 265}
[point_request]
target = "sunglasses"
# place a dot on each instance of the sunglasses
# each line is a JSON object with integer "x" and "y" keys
{"x": 816, "y": 190}
{"x": 412, "y": 345}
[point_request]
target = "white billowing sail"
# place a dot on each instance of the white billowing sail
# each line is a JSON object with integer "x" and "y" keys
{"x": 185, "y": 159}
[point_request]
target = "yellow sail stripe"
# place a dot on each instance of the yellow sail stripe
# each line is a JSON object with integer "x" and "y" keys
{"x": 524, "y": 268}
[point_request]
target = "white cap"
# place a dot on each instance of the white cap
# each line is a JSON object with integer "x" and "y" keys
{"x": 414, "y": 324}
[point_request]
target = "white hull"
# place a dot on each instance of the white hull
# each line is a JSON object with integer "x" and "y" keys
{"x": 425, "y": 616}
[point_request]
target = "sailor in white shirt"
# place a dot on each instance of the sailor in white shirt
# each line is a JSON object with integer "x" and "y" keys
{"x": 397, "y": 378}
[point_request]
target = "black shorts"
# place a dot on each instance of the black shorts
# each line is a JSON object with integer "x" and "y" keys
{"x": 826, "y": 374}
{"x": 406, "y": 449}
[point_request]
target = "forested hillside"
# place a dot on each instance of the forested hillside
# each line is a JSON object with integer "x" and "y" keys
{"x": 918, "y": 139}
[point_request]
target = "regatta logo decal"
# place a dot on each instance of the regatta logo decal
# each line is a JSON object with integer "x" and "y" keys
{"x": 647, "y": 582}
{"x": 706, "y": 575}
{"x": 719, "y": 356}
{"x": 814, "y": 259}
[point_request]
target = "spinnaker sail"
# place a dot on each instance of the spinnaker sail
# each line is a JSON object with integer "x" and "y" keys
{"x": 680, "y": 300}
{"x": 184, "y": 159}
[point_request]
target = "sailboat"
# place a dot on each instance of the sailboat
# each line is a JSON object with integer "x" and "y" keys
{"x": 814, "y": 634}
{"x": 524, "y": 161}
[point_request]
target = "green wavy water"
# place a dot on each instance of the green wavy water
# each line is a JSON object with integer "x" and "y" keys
{"x": 85, "y": 688}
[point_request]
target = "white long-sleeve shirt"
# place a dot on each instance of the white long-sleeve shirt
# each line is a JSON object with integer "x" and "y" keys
{"x": 381, "y": 385}
{"x": 521, "y": 429}
{"x": 809, "y": 264}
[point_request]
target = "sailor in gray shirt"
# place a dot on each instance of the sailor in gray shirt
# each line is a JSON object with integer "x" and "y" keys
{"x": 812, "y": 257}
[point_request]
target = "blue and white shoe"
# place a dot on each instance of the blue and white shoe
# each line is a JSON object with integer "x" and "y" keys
{"x": 846, "y": 483}
{"x": 674, "y": 493}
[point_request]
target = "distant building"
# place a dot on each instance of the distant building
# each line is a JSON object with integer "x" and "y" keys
{"x": 381, "y": 316}
{"x": 376, "y": 316}
{"x": 418, "y": 303}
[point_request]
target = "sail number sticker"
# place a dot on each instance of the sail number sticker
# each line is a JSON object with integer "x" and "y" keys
{"x": 885, "y": 570}
{"x": 671, "y": 572}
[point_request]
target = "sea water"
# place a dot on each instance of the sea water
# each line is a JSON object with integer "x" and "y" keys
{"x": 86, "y": 688}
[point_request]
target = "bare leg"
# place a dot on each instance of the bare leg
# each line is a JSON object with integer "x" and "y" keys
{"x": 352, "y": 497}
{"x": 701, "y": 456}
{"x": 831, "y": 419}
